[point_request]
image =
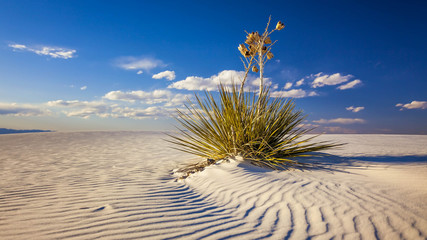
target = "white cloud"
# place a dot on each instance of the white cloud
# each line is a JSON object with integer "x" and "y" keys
{"x": 226, "y": 77}
{"x": 142, "y": 63}
{"x": 135, "y": 113}
{"x": 340, "y": 121}
{"x": 294, "y": 93}
{"x": 83, "y": 109}
{"x": 299, "y": 83}
{"x": 139, "y": 72}
{"x": 83, "y": 88}
{"x": 86, "y": 109}
{"x": 178, "y": 99}
{"x": 322, "y": 79}
{"x": 79, "y": 104}
{"x": 354, "y": 109}
{"x": 308, "y": 125}
{"x": 13, "y": 109}
{"x": 413, "y": 105}
{"x": 53, "y": 52}
{"x": 17, "y": 46}
{"x": 338, "y": 130}
{"x": 154, "y": 97}
{"x": 287, "y": 85}
{"x": 169, "y": 75}
{"x": 131, "y": 96}
{"x": 349, "y": 85}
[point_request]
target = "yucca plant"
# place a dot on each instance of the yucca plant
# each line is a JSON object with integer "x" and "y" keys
{"x": 251, "y": 126}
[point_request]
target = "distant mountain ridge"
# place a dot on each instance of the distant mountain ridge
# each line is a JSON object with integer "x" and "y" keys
{"x": 9, "y": 131}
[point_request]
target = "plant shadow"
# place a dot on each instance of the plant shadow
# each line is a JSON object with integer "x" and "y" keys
{"x": 335, "y": 163}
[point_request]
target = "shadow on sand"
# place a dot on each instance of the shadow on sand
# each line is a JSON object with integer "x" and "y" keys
{"x": 334, "y": 163}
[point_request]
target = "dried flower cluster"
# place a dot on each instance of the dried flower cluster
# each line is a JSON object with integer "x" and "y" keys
{"x": 258, "y": 44}
{"x": 256, "y": 50}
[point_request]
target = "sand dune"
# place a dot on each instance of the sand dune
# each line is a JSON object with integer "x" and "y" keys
{"x": 118, "y": 185}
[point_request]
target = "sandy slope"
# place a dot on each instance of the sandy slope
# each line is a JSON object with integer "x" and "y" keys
{"x": 117, "y": 185}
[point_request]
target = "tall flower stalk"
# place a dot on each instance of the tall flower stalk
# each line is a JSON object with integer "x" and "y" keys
{"x": 256, "y": 51}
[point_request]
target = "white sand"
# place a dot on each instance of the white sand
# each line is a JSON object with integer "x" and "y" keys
{"x": 117, "y": 185}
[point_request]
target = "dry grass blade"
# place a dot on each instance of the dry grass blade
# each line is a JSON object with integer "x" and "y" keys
{"x": 259, "y": 128}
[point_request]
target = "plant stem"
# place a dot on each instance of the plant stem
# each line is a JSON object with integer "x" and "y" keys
{"x": 248, "y": 68}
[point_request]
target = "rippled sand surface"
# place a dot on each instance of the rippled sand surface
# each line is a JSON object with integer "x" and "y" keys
{"x": 118, "y": 185}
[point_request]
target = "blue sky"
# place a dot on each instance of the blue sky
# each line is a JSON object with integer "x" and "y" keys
{"x": 126, "y": 65}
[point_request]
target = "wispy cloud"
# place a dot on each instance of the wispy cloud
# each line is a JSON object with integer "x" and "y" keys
{"x": 139, "y": 63}
{"x": 322, "y": 79}
{"x": 169, "y": 75}
{"x": 139, "y": 72}
{"x": 354, "y": 109}
{"x": 72, "y": 103}
{"x": 82, "y": 109}
{"x": 153, "y": 97}
{"x": 413, "y": 105}
{"x": 288, "y": 85}
{"x": 14, "y": 109}
{"x": 83, "y": 88}
{"x": 18, "y": 46}
{"x": 294, "y": 93}
{"x": 87, "y": 109}
{"x": 340, "y": 121}
{"x": 226, "y": 77}
{"x": 138, "y": 113}
{"x": 349, "y": 85}
{"x": 338, "y": 130}
{"x": 53, "y": 52}
{"x": 299, "y": 83}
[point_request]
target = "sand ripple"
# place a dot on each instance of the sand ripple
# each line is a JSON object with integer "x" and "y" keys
{"x": 117, "y": 185}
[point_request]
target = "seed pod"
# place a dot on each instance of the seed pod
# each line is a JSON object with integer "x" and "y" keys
{"x": 254, "y": 69}
{"x": 280, "y": 26}
{"x": 257, "y": 37}
{"x": 270, "y": 55}
{"x": 250, "y": 38}
{"x": 264, "y": 49}
{"x": 242, "y": 48}
{"x": 267, "y": 40}
{"x": 252, "y": 49}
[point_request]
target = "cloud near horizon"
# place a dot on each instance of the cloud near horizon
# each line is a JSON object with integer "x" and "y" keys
{"x": 53, "y": 52}
{"x": 340, "y": 121}
{"x": 226, "y": 77}
{"x": 86, "y": 109}
{"x": 413, "y": 105}
{"x": 26, "y": 110}
{"x": 169, "y": 75}
{"x": 339, "y": 130}
{"x": 154, "y": 97}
